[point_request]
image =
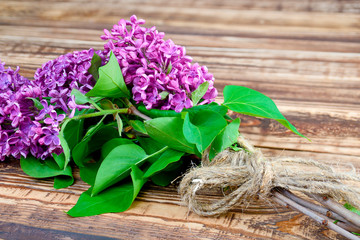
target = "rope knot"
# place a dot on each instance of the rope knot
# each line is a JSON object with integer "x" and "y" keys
{"x": 244, "y": 175}
{"x": 267, "y": 178}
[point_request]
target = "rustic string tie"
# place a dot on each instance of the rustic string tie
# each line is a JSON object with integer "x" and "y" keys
{"x": 246, "y": 175}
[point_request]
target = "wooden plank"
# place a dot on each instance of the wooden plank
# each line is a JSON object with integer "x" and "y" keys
{"x": 20, "y": 231}
{"x": 303, "y": 54}
{"x": 349, "y": 6}
{"x": 38, "y": 209}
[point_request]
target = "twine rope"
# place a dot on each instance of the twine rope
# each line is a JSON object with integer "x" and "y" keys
{"x": 249, "y": 175}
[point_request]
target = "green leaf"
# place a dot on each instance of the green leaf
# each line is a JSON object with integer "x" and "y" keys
{"x": 88, "y": 172}
{"x": 36, "y": 102}
{"x": 94, "y": 140}
{"x": 150, "y": 146}
{"x": 39, "y": 169}
{"x": 70, "y": 134}
{"x": 106, "y": 104}
{"x": 94, "y": 68}
{"x": 80, "y": 98}
{"x": 51, "y": 164}
{"x": 115, "y": 199}
{"x": 211, "y": 107}
{"x": 227, "y": 137}
{"x": 163, "y": 95}
{"x": 63, "y": 181}
{"x": 250, "y": 102}
{"x": 64, "y": 143}
{"x": 116, "y": 165}
{"x": 111, "y": 82}
{"x": 96, "y": 99}
{"x": 73, "y": 132}
{"x": 120, "y": 124}
{"x": 166, "y": 176}
{"x": 166, "y": 131}
{"x": 93, "y": 129}
{"x": 202, "y": 128}
{"x": 351, "y": 208}
{"x": 137, "y": 177}
{"x": 169, "y": 68}
{"x": 164, "y": 179}
{"x": 81, "y": 150}
{"x": 59, "y": 159}
{"x": 169, "y": 156}
{"x": 155, "y": 113}
{"x": 103, "y": 134}
{"x": 113, "y": 143}
{"x": 138, "y": 125}
{"x": 47, "y": 168}
{"x": 235, "y": 148}
{"x": 199, "y": 93}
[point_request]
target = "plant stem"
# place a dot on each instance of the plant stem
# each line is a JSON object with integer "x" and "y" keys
{"x": 339, "y": 209}
{"x": 313, "y": 206}
{"x": 133, "y": 110}
{"x": 322, "y": 220}
{"x": 345, "y": 225}
{"x": 348, "y": 226}
{"x": 138, "y": 113}
{"x": 342, "y": 222}
{"x": 95, "y": 105}
{"x": 101, "y": 113}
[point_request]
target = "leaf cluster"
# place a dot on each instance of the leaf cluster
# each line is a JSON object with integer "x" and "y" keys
{"x": 118, "y": 150}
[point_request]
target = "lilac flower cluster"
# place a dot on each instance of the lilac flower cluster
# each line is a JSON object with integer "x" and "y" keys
{"x": 58, "y": 77}
{"x": 158, "y": 71}
{"x": 25, "y": 129}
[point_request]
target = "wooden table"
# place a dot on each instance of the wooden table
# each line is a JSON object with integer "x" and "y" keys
{"x": 303, "y": 54}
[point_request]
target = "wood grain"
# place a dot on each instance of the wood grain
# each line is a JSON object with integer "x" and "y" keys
{"x": 303, "y": 54}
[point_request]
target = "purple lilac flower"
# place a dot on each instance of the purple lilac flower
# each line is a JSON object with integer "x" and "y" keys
{"x": 73, "y": 106}
{"x": 23, "y": 126}
{"x": 4, "y": 145}
{"x": 54, "y": 120}
{"x": 59, "y": 76}
{"x": 19, "y": 144}
{"x": 151, "y": 65}
{"x": 50, "y": 137}
{"x": 46, "y": 110}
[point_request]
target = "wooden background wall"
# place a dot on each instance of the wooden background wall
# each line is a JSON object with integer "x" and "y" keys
{"x": 303, "y": 54}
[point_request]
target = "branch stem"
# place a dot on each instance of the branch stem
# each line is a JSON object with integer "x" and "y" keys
{"x": 348, "y": 226}
{"x": 317, "y": 208}
{"x": 320, "y": 219}
{"x": 133, "y": 110}
{"x": 101, "y": 113}
{"x": 342, "y": 222}
{"x": 339, "y": 209}
{"x": 136, "y": 112}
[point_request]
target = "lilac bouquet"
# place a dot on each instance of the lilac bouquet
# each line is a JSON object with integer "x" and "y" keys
{"x": 134, "y": 111}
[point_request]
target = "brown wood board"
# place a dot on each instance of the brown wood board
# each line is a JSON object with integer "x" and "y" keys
{"x": 305, "y": 55}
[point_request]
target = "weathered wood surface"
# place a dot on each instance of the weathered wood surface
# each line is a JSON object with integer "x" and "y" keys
{"x": 303, "y": 54}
